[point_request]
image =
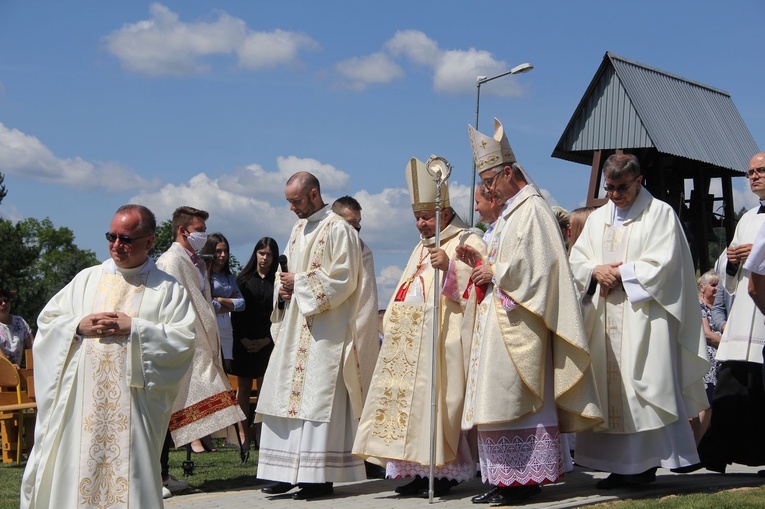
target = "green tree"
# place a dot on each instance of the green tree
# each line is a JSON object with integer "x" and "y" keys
{"x": 55, "y": 260}
{"x": 3, "y": 191}
{"x": 163, "y": 239}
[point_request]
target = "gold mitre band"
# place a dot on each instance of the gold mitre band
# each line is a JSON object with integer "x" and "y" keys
{"x": 422, "y": 187}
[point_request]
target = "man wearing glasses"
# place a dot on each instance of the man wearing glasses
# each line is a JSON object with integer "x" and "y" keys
{"x": 641, "y": 313}
{"x": 110, "y": 354}
{"x": 735, "y": 433}
{"x": 528, "y": 376}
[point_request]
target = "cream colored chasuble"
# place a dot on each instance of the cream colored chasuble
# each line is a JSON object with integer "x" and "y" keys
{"x": 104, "y": 463}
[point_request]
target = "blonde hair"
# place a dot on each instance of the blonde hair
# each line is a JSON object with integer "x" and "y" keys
{"x": 707, "y": 278}
{"x": 576, "y": 220}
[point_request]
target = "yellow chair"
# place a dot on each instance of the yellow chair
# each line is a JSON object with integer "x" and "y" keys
{"x": 10, "y": 381}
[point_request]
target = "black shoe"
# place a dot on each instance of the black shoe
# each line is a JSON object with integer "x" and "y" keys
{"x": 687, "y": 469}
{"x": 611, "y": 482}
{"x": 412, "y": 488}
{"x": 515, "y": 494}
{"x": 484, "y": 498}
{"x": 641, "y": 479}
{"x": 310, "y": 491}
{"x": 441, "y": 487}
{"x": 374, "y": 471}
{"x": 277, "y": 488}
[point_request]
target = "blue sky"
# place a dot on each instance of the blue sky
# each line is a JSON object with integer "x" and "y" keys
{"x": 215, "y": 103}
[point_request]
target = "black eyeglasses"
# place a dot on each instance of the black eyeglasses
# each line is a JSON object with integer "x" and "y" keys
{"x": 490, "y": 182}
{"x": 4, "y": 300}
{"x": 610, "y": 188}
{"x": 124, "y": 239}
{"x": 760, "y": 172}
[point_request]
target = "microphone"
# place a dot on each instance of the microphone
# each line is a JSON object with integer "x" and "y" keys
{"x": 283, "y": 267}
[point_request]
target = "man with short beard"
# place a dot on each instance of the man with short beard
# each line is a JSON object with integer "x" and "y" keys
{"x": 311, "y": 396}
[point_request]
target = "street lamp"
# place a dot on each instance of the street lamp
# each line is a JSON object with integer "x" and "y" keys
{"x": 518, "y": 69}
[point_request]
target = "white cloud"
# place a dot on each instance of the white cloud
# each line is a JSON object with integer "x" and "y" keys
{"x": 387, "y": 279}
{"x": 360, "y": 72}
{"x": 26, "y": 156}
{"x": 454, "y": 71}
{"x": 416, "y": 46}
{"x": 164, "y": 45}
{"x": 264, "y": 50}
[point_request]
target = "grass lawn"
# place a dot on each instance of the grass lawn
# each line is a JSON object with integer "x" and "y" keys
{"x": 216, "y": 471}
{"x": 222, "y": 470}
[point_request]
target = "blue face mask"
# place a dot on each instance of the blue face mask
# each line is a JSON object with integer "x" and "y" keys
{"x": 197, "y": 240}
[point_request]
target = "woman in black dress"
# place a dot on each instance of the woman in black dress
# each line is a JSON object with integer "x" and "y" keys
{"x": 252, "y": 327}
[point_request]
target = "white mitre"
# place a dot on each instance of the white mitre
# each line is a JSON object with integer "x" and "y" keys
{"x": 422, "y": 187}
{"x": 490, "y": 152}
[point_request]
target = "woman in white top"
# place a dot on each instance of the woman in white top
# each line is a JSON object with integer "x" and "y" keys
{"x": 15, "y": 334}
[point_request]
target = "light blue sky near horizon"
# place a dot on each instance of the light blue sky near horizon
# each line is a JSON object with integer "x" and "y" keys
{"x": 214, "y": 104}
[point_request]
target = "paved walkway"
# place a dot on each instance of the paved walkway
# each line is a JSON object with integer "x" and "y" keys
{"x": 576, "y": 489}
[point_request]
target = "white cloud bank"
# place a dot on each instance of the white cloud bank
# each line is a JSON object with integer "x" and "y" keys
{"x": 26, "y": 156}
{"x": 165, "y": 45}
{"x": 454, "y": 71}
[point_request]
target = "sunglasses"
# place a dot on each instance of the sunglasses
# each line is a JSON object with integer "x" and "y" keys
{"x": 610, "y": 188}
{"x": 124, "y": 239}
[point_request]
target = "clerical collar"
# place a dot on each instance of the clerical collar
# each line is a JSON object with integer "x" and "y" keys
{"x": 319, "y": 214}
{"x": 112, "y": 268}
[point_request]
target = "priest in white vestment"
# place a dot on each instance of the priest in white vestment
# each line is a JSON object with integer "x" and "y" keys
{"x": 530, "y": 378}
{"x": 634, "y": 269}
{"x": 395, "y": 423}
{"x": 367, "y": 339}
{"x": 735, "y": 432}
{"x": 111, "y": 350}
{"x": 311, "y": 397}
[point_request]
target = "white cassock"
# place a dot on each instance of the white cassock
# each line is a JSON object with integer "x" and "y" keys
{"x": 311, "y": 396}
{"x": 104, "y": 402}
{"x": 647, "y": 345}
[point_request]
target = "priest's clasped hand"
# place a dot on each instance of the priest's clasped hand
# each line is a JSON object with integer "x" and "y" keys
{"x": 105, "y": 324}
{"x": 608, "y": 276}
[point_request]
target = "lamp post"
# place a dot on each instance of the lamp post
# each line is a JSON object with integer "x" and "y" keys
{"x": 518, "y": 69}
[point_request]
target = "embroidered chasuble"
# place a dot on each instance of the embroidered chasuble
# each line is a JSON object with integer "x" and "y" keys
{"x": 316, "y": 338}
{"x": 104, "y": 402}
{"x": 206, "y": 402}
{"x": 395, "y": 423}
{"x": 311, "y": 395}
{"x": 530, "y": 311}
{"x": 647, "y": 345}
{"x": 529, "y": 373}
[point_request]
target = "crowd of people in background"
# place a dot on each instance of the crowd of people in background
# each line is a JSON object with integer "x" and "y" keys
{"x": 552, "y": 333}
